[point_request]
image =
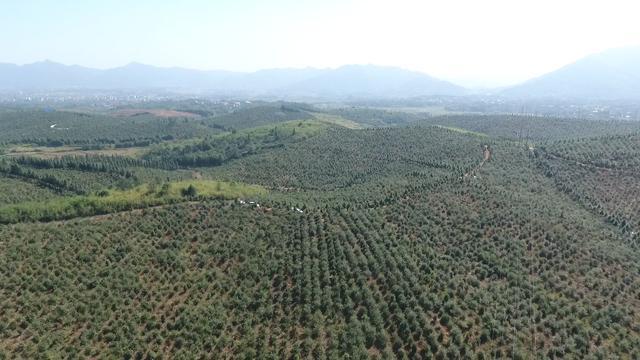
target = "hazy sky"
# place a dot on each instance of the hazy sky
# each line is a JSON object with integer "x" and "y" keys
{"x": 474, "y": 42}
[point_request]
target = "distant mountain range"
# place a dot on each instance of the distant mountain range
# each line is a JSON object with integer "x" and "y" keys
{"x": 613, "y": 74}
{"x": 350, "y": 80}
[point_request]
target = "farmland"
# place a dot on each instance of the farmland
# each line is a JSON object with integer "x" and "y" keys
{"x": 279, "y": 230}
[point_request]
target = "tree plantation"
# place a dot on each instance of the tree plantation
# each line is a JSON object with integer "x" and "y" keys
{"x": 288, "y": 231}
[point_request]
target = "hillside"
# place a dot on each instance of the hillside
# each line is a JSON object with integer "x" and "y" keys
{"x": 613, "y": 74}
{"x": 290, "y": 237}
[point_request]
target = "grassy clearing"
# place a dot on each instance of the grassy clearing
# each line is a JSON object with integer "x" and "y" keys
{"x": 302, "y": 128}
{"x": 463, "y": 131}
{"x": 109, "y": 201}
{"x": 163, "y": 113}
{"x": 337, "y": 120}
{"x": 432, "y": 110}
{"x": 214, "y": 188}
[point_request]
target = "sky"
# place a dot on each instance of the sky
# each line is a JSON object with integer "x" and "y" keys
{"x": 475, "y": 43}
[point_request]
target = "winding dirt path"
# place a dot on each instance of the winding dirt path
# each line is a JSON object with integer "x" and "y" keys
{"x": 486, "y": 156}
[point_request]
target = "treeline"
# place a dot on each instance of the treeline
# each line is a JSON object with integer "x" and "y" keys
{"x": 99, "y": 163}
{"x": 96, "y": 143}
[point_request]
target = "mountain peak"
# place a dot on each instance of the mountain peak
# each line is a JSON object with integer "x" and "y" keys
{"x": 136, "y": 64}
{"x": 611, "y": 74}
{"x": 45, "y": 62}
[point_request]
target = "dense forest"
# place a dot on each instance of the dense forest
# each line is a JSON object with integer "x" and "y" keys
{"x": 284, "y": 230}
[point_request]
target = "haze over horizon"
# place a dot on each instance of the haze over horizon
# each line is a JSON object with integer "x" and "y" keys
{"x": 289, "y": 179}
{"x": 510, "y": 42}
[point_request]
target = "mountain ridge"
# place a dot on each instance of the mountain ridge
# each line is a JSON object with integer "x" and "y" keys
{"x": 608, "y": 75}
{"x": 356, "y": 79}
